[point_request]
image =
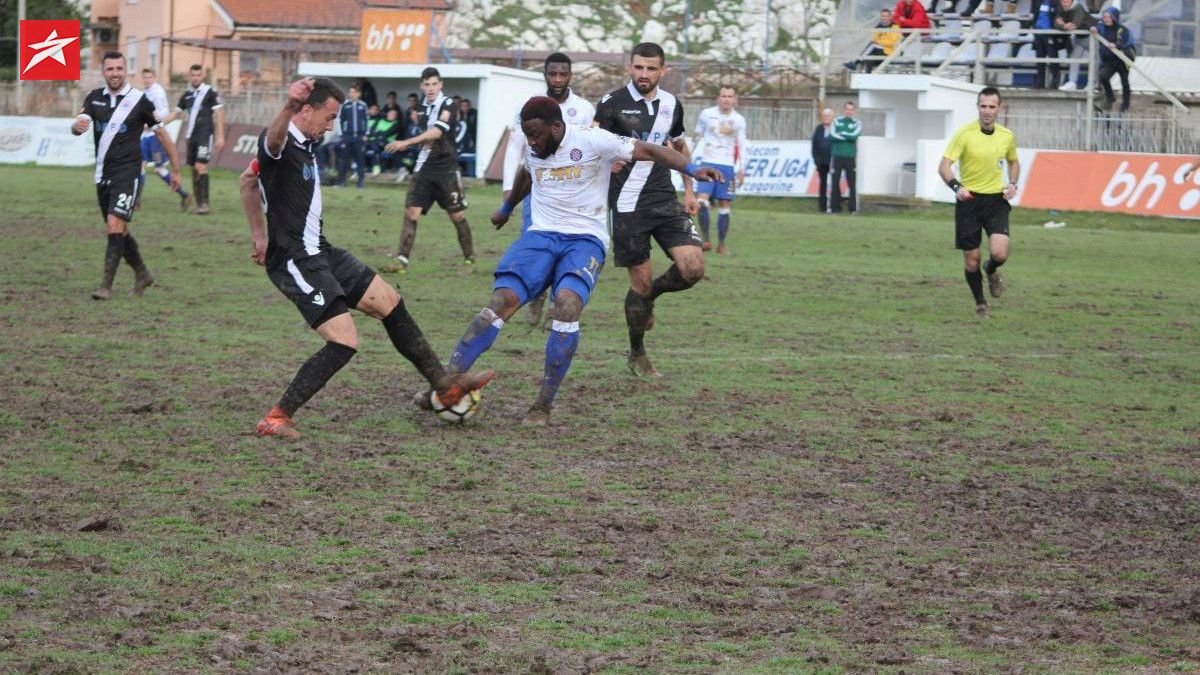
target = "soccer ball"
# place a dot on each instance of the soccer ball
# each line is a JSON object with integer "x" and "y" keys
{"x": 458, "y": 413}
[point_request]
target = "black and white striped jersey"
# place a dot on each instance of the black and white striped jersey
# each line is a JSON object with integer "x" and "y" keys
{"x": 123, "y": 153}
{"x": 626, "y": 112}
{"x": 291, "y": 188}
{"x": 440, "y": 156}
{"x": 199, "y": 104}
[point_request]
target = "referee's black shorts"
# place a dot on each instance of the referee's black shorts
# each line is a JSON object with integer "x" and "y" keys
{"x": 983, "y": 213}
{"x": 322, "y": 286}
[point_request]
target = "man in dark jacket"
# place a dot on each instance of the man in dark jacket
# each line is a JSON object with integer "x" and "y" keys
{"x": 822, "y": 147}
{"x": 1117, "y": 35}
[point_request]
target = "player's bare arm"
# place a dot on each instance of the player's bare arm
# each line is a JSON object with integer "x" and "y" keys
{"x": 1014, "y": 175}
{"x": 427, "y": 136}
{"x": 690, "y": 203}
{"x": 946, "y": 171}
{"x": 298, "y": 93}
{"x": 251, "y": 204}
{"x": 522, "y": 184}
{"x": 219, "y": 139}
{"x": 178, "y": 115}
{"x": 669, "y": 157}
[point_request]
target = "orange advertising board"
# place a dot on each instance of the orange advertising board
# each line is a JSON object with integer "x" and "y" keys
{"x": 394, "y": 36}
{"x": 1131, "y": 183}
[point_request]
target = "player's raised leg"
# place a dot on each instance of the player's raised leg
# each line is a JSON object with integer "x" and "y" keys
{"x": 382, "y": 302}
{"x": 684, "y": 272}
{"x": 341, "y": 344}
{"x": 523, "y": 272}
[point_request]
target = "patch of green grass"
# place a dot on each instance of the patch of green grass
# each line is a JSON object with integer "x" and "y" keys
{"x": 836, "y": 444}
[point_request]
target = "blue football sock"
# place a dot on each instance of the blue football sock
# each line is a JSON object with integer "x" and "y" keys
{"x": 722, "y": 225}
{"x": 165, "y": 175}
{"x": 704, "y": 220}
{"x": 480, "y": 335}
{"x": 560, "y": 349}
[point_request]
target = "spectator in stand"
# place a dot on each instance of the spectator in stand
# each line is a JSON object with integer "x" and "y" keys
{"x": 846, "y": 131}
{"x": 1117, "y": 35}
{"x": 391, "y": 104}
{"x": 414, "y": 103}
{"x": 1072, "y": 16}
{"x": 1046, "y": 46}
{"x": 822, "y": 146}
{"x": 380, "y": 133}
{"x": 910, "y": 15}
{"x": 373, "y": 114}
{"x": 464, "y": 137}
{"x": 883, "y": 43}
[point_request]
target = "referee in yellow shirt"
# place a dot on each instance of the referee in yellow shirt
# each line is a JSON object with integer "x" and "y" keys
{"x": 982, "y": 194}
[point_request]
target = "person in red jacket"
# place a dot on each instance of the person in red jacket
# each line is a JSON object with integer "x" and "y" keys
{"x": 910, "y": 14}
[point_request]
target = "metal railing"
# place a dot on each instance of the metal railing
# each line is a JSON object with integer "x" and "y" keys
{"x": 1091, "y": 129}
{"x": 914, "y": 55}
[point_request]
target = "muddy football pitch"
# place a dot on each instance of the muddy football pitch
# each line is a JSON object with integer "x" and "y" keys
{"x": 841, "y": 471}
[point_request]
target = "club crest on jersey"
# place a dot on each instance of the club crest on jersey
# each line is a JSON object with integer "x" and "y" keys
{"x": 576, "y": 154}
{"x": 309, "y": 173}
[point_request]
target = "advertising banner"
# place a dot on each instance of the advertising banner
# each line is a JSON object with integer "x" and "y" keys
{"x": 1151, "y": 185}
{"x": 241, "y": 146}
{"x": 44, "y": 140}
{"x": 394, "y": 35}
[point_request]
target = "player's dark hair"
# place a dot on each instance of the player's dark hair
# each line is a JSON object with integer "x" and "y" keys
{"x": 392, "y": 94}
{"x": 541, "y": 108}
{"x": 989, "y": 91}
{"x": 430, "y": 72}
{"x": 649, "y": 50}
{"x": 111, "y": 55}
{"x": 852, "y": 104}
{"x": 724, "y": 87}
{"x": 557, "y": 57}
{"x": 147, "y": 70}
{"x": 323, "y": 90}
{"x": 354, "y": 87}
{"x": 196, "y": 66}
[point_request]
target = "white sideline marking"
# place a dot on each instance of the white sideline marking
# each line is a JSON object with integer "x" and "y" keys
{"x": 705, "y": 355}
